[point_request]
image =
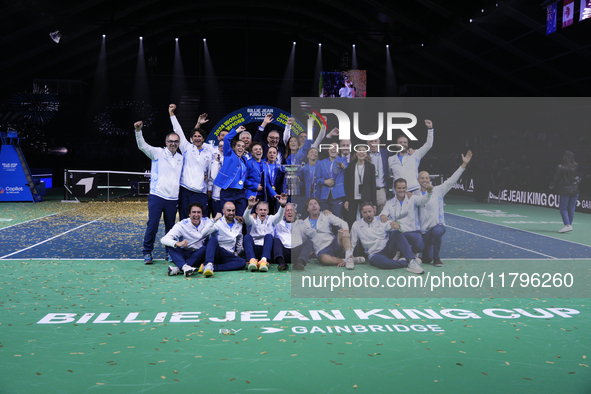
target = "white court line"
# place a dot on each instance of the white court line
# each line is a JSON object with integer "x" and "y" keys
{"x": 42, "y": 242}
{"x": 110, "y": 259}
{"x": 501, "y": 242}
{"x": 43, "y": 217}
{"x": 518, "y": 229}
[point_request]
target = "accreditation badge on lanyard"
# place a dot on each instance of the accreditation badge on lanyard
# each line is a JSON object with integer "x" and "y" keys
{"x": 241, "y": 172}
{"x": 272, "y": 169}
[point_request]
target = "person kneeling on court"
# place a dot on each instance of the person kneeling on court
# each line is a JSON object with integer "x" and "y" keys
{"x": 432, "y": 214}
{"x": 327, "y": 247}
{"x": 258, "y": 243}
{"x": 404, "y": 209}
{"x": 186, "y": 241}
{"x": 225, "y": 248}
{"x": 373, "y": 235}
{"x": 289, "y": 244}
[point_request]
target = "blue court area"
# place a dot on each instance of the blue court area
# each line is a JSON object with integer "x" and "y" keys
{"x": 101, "y": 234}
{"x": 468, "y": 238}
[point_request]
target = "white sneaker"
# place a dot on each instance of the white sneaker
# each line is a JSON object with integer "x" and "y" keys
{"x": 414, "y": 267}
{"x": 188, "y": 270}
{"x": 397, "y": 256}
{"x": 208, "y": 270}
{"x": 419, "y": 261}
{"x": 566, "y": 229}
{"x": 359, "y": 260}
{"x": 349, "y": 264}
{"x": 173, "y": 270}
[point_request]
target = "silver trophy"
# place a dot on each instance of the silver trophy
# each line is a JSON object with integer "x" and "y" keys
{"x": 291, "y": 183}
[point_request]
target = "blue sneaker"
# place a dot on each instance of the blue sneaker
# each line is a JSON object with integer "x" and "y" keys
{"x": 148, "y": 258}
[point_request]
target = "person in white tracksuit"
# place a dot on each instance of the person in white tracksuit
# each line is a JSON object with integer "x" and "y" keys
{"x": 432, "y": 215}
{"x": 405, "y": 165}
{"x": 166, "y": 168}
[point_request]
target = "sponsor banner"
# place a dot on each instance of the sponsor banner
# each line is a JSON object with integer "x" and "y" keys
{"x": 464, "y": 185}
{"x": 253, "y": 114}
{"x": 13, "y": 182}
{"x": 540, "y": 199}
{"x": 83, "y": 184}
{"x": 323, "y": 322}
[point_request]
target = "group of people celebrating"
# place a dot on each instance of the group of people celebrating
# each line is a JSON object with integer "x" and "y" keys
{"x": 369, "y": 205}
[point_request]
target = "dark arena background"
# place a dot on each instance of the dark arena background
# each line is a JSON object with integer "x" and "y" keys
{"x": 79, "y": 311}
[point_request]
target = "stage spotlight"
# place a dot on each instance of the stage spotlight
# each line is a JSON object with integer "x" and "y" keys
{"x": 319, "y": 44}
{"x": 294, "y": 43}
{"x": 55, "y": 36}
{"x": 387, "y": 46}
{"x": 141, "y": 38}
{"x": 176, "y": 39}
{"x": 353, "y": 45}
{"x": 204, "y": 40}
{"x": 104, "y": 35}
{"x": 470, "y": 20}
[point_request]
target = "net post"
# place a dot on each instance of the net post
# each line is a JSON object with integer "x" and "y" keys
{"x": 65, "y": 184}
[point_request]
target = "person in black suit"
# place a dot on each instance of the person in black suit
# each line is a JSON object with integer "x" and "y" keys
{"x": 271, "y": 136}
{"x": 275, "y": 173}
{"x": 360, "y": 185}
{"x": 379, "y": 157}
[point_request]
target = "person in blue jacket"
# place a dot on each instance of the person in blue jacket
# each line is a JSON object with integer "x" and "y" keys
{"x": 331, "y": 177}
{"x": 257, "y": 184}
{"x": 232, "y": 176}
{"x": 309, "y": 174}
{"x": 274, "y": 174}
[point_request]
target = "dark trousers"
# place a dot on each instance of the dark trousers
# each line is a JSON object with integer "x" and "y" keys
{"x": 381, "y": 260}
{"x": 222, "y": 259}
{"x": 236, "y": 196}
{"x": 301, "y": 252}
{"x": 216, "y": 206}
{"x": 415, "y": 239}
{"x": 156, "y": 207}
{"x": 187, "y": 197}
{"x": 334, "y": 205}
{"x": 397, "y": 242}
{"x": 258, "y": 252}
{"x": 181, "y": 256}
{"x": 432, "y": 240}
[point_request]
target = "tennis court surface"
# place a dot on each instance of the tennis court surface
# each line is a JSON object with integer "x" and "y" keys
{"x": 81, "y": 312}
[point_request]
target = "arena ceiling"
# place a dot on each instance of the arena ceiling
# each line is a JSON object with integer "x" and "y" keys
{"x": 503, "y": 51}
